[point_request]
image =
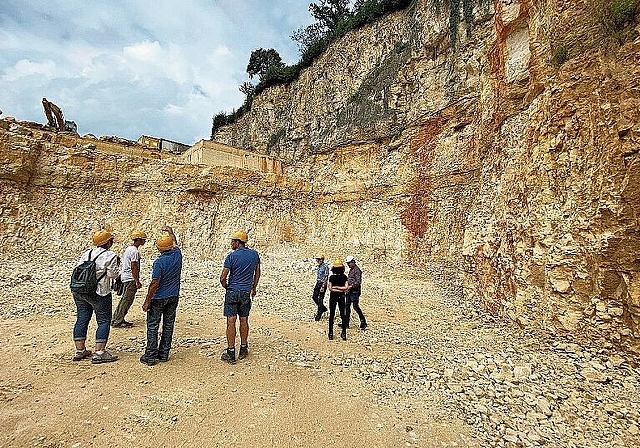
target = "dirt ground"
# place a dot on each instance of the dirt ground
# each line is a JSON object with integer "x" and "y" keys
{"x": 296, "y": 388}
{"x": 429, "y": 371}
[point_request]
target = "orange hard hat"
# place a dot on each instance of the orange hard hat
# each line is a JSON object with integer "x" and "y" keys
{"x": 138, "y": 234}
{"x": 164, "y": 242}
{"x": 102, "y": 237}
{"x": 240, "y": 235}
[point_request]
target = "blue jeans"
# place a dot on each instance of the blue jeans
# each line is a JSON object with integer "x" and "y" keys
{"x": 318, "y": 296}
{"x": 86, "y": 305}
{"x": 164, "y": 309}
{"x": 353, "y": 298}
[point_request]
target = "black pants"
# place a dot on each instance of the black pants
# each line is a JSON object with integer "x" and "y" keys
{"x": 336, "y": 299}
{"x": 318, "y": 297}
{"x": 353, "y": 298}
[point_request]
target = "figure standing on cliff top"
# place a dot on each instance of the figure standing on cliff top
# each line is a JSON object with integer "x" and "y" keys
{"x": 353, "y": 293}
{"x": 162, "y": 298}
{"x": 91, "y": 287}
{"x": 130, "y": 276}
{"x": 321, "y": 286}
{"x": 239, "y": 278}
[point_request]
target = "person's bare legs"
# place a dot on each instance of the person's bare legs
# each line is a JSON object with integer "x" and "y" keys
{"x": 231, "y": 331}
{"x": 244, "y": 330}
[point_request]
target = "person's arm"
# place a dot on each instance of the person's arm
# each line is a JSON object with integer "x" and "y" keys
{"x": 223, "y": 277}
{"x": 323, "y": 288}
{"x": 256, "y": 278}
{"x": 113, "y": 267}
{"x": 153, "y": 288}
{"x": 135, "y": 271}
{"x": 344, "y": 288}
{"x": 169, "y": 230}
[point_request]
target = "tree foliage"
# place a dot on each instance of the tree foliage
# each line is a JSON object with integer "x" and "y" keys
{"x": 260, "y": 61}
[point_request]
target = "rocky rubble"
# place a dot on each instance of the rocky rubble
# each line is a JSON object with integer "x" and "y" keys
{"x": 424, "y": 348}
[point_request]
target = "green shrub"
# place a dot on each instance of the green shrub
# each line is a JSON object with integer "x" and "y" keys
{"x": 560, "y": 54}
{"x": 622, "y": 12}
{"x": 275, "y": 138}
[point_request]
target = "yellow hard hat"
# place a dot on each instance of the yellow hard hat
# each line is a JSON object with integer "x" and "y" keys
{"x": 138, "y": 234}
{"x": 338, "y": 263}
{"x": 240, "y": 235}
{"x": 320, "y": 256}
{"x": 102, "y": 237}
{"x": 164, "y": 242}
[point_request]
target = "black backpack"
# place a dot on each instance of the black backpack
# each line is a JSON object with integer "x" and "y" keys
{"x": 84, "y": 279}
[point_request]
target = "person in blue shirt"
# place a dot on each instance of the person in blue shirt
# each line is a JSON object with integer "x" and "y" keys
{"x": 321, "y": 286}
{"x": 162, "y": 298}
{"x": 239, "y": 277}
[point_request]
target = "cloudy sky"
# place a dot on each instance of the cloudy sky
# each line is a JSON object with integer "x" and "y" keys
{"x": 134, "y": 67}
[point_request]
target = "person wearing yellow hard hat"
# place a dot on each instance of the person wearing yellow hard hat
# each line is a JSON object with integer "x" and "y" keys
{"x": 130, "y": 276}
{"x": 161, "y": 302}
{"x": 322, "y": 275}
{"x": 91, "y": 288}
{"x": 239, "y": 277}
{"x": 337, "y": 289}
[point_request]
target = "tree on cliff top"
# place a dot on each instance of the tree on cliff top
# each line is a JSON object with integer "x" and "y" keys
{"x": 260, "y": 61}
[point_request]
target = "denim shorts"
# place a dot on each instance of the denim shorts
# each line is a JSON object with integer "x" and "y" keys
{"x": 237, "y": 303}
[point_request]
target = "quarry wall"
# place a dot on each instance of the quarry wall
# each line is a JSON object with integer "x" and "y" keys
{"x": 495, "y": 157}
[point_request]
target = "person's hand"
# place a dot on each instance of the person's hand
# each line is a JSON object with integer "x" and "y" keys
{"x": 138, "y": 285}
{"x": 253, "y": 292}
{"x": 145, "y": 305}
{"x": 167, "y": 229}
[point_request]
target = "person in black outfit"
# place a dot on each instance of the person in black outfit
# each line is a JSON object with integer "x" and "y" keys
{"x": 337, "y": 288}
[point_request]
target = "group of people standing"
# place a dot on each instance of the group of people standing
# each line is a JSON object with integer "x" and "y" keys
{"x": 344, "y": 291}
{"x": 99, "y": 266}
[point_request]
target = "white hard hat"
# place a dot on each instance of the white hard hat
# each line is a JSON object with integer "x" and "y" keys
{"x": 349, "y": 259}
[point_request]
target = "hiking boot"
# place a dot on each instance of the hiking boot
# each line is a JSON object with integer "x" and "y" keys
{"x": 244, "y": 352}
{"x": 343, "y": 335}
{"x": 123, "y": 324}
{"x": 104, "y": 357}
{"x": 228, "y": 357}
{"x": 148, "y": 361}
{"x": 363, "y": 326}
{"x": 80, "y": 355}
{"x": 318, "y": 316}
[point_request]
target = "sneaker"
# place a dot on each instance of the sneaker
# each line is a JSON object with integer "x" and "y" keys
{"x": 228, "y": 357}
{"x": 244, "y": 352}
{"x": 343, "y": 335}
{"x": 123, "y": 324}
{"x": 162, "y": 358}
{"x": 331, "y": 336}
{"x": 104, "y": 357}
{"x": 363, "y": 326}
{"x": 148, "y": 361}
{"x": 80, "y": 355}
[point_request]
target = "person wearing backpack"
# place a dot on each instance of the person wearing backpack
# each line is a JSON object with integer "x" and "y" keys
{"x": 91, "y": 288}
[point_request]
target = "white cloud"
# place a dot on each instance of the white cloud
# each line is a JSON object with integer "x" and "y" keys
{"x": 24, "y": 68}
{"x": 137, "y": 67}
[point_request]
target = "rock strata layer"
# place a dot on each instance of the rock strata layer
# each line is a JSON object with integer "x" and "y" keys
{"x": 520, "y": 170}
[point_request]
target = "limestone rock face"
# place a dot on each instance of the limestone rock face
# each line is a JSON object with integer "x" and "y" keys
{"x": 520, "y": 169}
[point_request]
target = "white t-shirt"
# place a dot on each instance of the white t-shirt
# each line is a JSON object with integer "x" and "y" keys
{"x": 130, "y": 254}
{"x": 107, "y": 262}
